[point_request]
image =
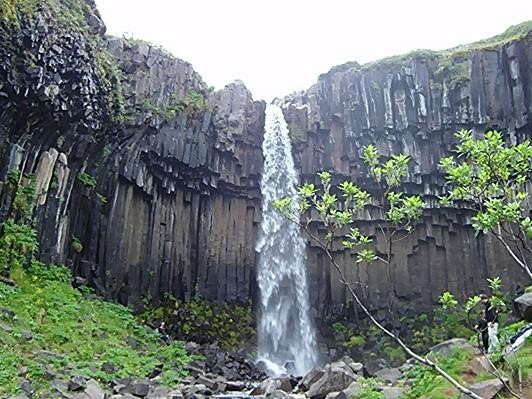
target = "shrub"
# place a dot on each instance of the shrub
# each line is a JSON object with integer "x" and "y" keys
{"x": 77, "y": 246}
{"x": 87, "y": 180}
{"x": 204, "y": 322}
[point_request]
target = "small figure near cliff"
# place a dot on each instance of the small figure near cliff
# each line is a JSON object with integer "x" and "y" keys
{"x": 163, "y": 332}
{"x": 490, "y": 325}
{"x": 482, "y": 328}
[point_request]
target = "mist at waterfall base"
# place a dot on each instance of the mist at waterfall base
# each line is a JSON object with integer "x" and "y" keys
{"x": 286, "y": 336}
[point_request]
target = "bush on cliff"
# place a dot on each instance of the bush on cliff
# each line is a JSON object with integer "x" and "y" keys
{"x": 47, "y": 327}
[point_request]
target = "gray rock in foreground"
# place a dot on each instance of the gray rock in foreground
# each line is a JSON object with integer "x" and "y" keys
{"x": 523, "y": 305}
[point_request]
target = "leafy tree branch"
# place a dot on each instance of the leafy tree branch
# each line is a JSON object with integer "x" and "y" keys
{"x": 492, "y": 179}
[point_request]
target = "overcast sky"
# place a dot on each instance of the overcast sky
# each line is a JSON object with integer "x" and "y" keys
{"x": 278, "y": 46}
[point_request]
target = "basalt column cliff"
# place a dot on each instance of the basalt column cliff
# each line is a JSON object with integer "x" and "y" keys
{"x": 147, "y": 181}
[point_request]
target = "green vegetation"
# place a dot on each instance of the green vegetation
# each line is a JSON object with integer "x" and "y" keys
{"x": 191, "y": 103}
{"x": 87, "y": 180}
{"x": 492, "y": 177}
{"x": 427, "y": 384}
{"x": 77, "y": 246}
{"x": 11, "y": 10}
{"x": 18, "y": 239}
{"x": 107, "y": 151}
{"x": 422, "y": 332}
{"x": 111, "y": 79}
{"x": 204, "y": 322}
{"x": 194, "y": 101}
{"x": 369, "y": 390}
{"x": 47, "y": 325}
{"x": 516, "y": 32}
{"x": 167, "y": 113}
{"x": 521, "y": 363}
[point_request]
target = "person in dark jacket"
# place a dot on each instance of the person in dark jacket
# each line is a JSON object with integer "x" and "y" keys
{"x": 482, "y": 327}
{"x": 489, "y": 334}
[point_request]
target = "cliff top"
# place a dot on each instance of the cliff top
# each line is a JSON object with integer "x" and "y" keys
{"x": 513, "y": 33}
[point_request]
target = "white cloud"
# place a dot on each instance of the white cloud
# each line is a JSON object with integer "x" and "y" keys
{"x": 277, "y": 46}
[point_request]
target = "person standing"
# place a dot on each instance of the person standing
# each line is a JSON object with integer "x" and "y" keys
{"x": 492, "y": 321}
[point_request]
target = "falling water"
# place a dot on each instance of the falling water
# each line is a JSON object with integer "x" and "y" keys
{"x": 286, "y": 334}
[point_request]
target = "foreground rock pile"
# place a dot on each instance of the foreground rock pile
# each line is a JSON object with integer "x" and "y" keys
{"x": 235, "y": 376}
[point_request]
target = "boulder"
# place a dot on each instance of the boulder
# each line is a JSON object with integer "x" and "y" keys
{"x": 270, "y": 385}
{"x": 373, "y": 365}
{"x": 92, "y": 391}
{"x": 348, "y": 393}
{"x": 77, "y": 383}
{"x": 336, "y": 377}
{"x": 487, "y": 389}
{"x": 391, "y": 375}
{"x": 523, "y": 306}
{"x": 311, "y": 377}
{"x": 138, "y": 388}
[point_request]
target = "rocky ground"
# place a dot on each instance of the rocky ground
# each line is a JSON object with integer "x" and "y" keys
{"x": 235, "y": 376}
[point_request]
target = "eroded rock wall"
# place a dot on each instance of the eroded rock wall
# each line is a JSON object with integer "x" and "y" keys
{"x": 412, "y": 105}
{"x": 158, "y": 182}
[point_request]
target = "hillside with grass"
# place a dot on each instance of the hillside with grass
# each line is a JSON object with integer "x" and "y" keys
{"x": 52, "y": 332}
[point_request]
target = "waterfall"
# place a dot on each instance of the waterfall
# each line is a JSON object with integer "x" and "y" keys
{"x": 286, "y": 336}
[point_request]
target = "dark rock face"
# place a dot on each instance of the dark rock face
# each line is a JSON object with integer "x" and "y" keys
{"x": 413, "y": 106}
{"x": 165, "y": 200}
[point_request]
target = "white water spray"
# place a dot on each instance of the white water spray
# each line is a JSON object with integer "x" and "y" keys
{"x": 286, "y": 333}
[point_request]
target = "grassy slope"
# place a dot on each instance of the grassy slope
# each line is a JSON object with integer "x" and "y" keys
{"x": 84, "y": 331}
{"x": 428, "y": 385}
